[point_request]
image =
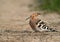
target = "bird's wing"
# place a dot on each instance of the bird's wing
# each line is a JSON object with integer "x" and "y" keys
{"x": 41, "y": 25}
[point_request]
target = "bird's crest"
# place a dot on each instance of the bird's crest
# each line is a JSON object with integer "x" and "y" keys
{"x": 33, "y": 15}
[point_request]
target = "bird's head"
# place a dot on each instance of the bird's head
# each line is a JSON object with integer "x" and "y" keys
{"x": 33, "y": 15}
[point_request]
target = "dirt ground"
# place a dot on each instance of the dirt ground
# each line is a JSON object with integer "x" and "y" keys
{"x": 12, "y": 17}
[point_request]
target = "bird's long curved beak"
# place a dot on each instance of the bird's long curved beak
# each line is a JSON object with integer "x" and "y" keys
{"x": 27, "y": 18}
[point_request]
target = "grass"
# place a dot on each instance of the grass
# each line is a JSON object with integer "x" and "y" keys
{"x": 49, "y": 5}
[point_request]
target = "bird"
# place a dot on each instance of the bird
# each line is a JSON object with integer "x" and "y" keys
{"x": 37, "y": 24}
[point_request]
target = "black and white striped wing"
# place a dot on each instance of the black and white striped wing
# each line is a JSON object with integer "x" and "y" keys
{"x": 41, "y": 26}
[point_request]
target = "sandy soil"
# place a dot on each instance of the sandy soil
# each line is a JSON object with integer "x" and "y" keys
{"x": 12, "y": 17}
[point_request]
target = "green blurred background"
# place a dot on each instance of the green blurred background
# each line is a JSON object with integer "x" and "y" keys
{"x": 49, "y": 5}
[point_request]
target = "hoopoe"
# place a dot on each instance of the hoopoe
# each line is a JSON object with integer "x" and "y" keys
{"x": 37, "y": 24}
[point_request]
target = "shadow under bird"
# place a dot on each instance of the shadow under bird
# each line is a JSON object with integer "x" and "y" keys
{"x": 37, "y": 24}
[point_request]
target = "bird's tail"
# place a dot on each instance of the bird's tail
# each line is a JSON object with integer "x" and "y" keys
{"x": 52, "y": 30}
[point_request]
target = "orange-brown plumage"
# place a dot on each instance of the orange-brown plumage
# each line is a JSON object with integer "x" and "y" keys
{"x": 38, "y": 25}
{"x": 33, "y": 20}
{"x": 34, "y": 16}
